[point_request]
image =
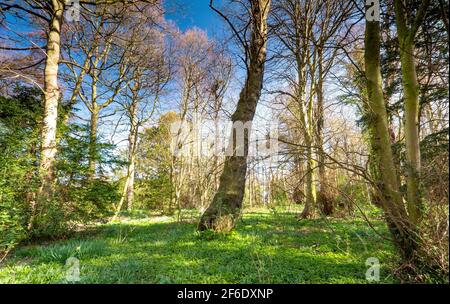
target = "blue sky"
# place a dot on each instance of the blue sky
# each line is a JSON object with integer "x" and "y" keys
{"x": 185, "y": 13}
{"x": 193, "y": 13}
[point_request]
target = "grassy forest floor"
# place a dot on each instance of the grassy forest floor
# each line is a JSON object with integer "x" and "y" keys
{"x": 266, "y": 247}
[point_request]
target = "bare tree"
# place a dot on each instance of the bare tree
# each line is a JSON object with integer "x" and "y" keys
{"x": 310, "y": 34}
{"x": 226, "y": 205}
{"x": 148, "y": 72}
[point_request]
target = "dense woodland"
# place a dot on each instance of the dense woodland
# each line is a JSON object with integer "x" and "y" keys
{"x": 349, "y": 112}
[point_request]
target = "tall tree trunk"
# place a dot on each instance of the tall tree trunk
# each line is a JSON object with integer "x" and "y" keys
{"x": 411, "y": 95}
{"x": 225, "y": 208}
{"x": 95, "y": 111}
{"x": 128, "y": 188}
{"x": 310, "y": 188}
{"x": 308, "y": 133}
{"x": 305, "y": 107}
{"x": 132, "y": 140}
{"x": 390, "y": 196}
{"x": 324, "y": 201}
{"x": 52, "y": 95}
{"x": 172, "y": 185}
{"x": 406, "y": 36}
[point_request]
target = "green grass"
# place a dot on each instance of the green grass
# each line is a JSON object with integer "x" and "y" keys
{"x": 266, "y": 247}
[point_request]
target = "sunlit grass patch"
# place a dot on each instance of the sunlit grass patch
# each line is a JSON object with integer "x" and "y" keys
{"x": 264, "y": 248}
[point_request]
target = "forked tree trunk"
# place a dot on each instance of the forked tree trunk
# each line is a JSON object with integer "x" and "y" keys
{"x": 52, "y": 95}
{"x": 390, "y": 196}
{"x": 225, "y": 208}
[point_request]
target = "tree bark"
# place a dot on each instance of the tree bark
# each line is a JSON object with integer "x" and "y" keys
{"x": 132, "y": 140}
{"x": 310, "y": 189}
{"x": 52, "y": 94}
{"x": 324, "y": 200}
{"x": 411, "y": 92}
{"x": 390, "y": 196}
{"x": 406, "y": 36}
{"x": 95, "y": 111}
{"x": 225, "y": 208}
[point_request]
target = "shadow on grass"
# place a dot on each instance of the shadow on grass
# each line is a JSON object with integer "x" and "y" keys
{"x": 265, "y": 248}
